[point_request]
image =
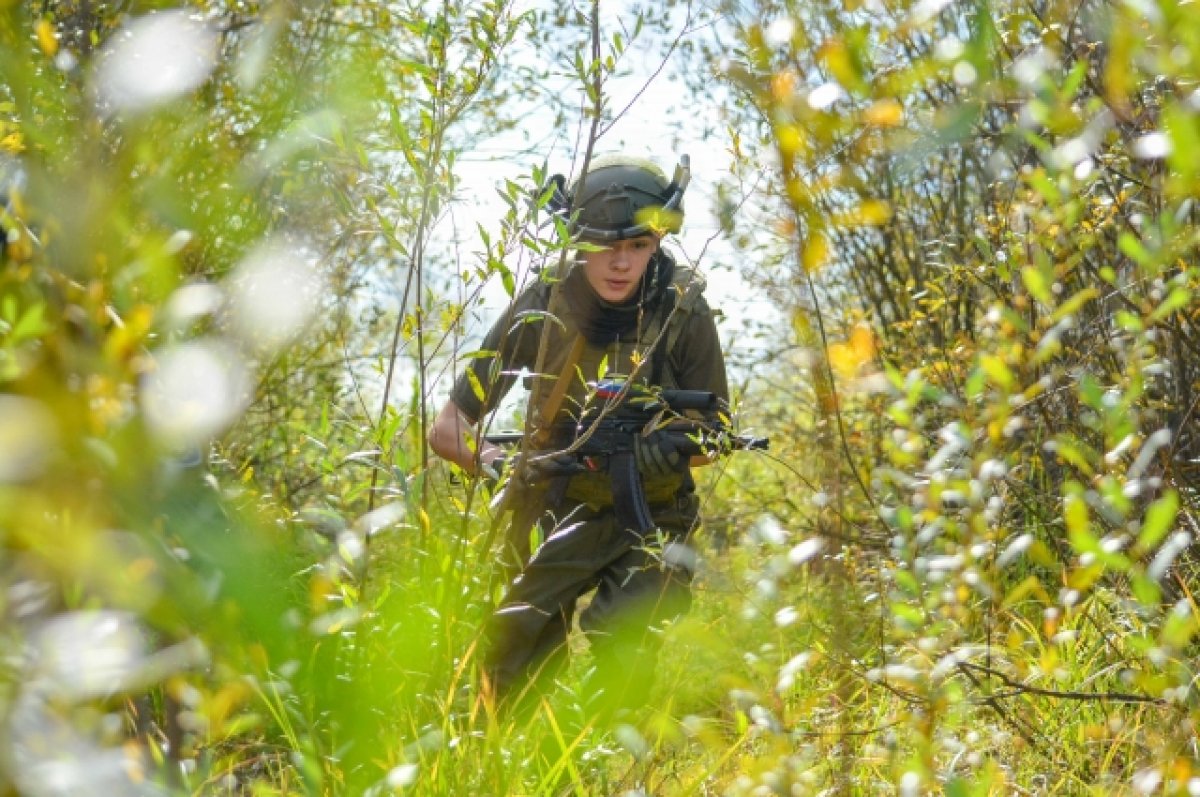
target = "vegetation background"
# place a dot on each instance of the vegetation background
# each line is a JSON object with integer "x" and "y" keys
{"x": 240, "y": 265}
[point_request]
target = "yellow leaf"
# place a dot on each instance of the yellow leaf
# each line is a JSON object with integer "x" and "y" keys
{"x": 221, "y": 705}
{"x": 47, "y": 40}
{"x": 660, "y": 220}
{"x": 783, "y": 86}
{"x": 816, "y": 252}
{"x": 870, "y": 213}
{"x": 862, "y": 342}
{"x": 1084, "y": 577}
{"x": 1030, "y": 586}
{"x": 319, "y": 590}
{"x": 884, "y": 113}
{"x": 875, "y": 211}
{"x": 802, "y": 326}
{"x": 1118, "y": 82}
{"x": 19, "y": 249}
{"x": 476, "y": 385}
{"x": 790, "y": 139}
{"x": 12, "y": 143}
{"x": 997, "y": 371}
{"x": 846, "y": 358}
{"x": 797, "y": 191}
{"x": 838, "y": 59}
{"x": 841, "y": 357}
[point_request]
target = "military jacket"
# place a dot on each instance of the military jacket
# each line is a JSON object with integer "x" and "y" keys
{"x": 689, "y": 349}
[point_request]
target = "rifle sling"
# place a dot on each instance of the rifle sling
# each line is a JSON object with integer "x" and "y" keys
{"x": 544, "y": 419}
{"x": 661, "y": 350}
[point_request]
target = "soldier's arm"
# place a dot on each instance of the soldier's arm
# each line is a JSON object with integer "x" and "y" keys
{"x": 701, "y": 363}
{"x": 452, "y": 438}
{"x": 452, "y": 435}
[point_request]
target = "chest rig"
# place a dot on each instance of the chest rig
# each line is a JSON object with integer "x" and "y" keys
{"x": 557, "y": 394}
{"x": 648, "y": 353}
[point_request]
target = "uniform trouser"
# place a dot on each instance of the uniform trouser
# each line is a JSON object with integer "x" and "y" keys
{"x": 638, "y": 582}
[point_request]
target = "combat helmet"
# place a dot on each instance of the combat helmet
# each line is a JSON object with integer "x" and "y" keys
{"x": 623, "y": 197}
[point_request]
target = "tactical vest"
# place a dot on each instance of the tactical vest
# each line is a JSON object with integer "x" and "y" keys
{"x": 680, "y": 301}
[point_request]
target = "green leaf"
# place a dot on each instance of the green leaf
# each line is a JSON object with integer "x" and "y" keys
{"x": 906, "y": 581}
{"x": 957, "y": 787}
{"x": 1030, "y": 585}
{"x": 1075, "y": 453}
{"x": 976, "y": 383}
{"x": 907, "y": 615}
{"x": 1160, "y": 517}
{"x": 510, "y": 283}
{"x": 1073, "y": 304}
{"x": 1134, "y": 249}
{"x": 997, "y": 371}
{"x": 476, "y": 385}
{"x": 31, "y": 325}
{"x": 1075, "y": 513}
{"x": 1037, "y": 285}
{"x": 1075, "y": 79}
{"x": 1090, "y": 392}
{"x": 535, "y": 316}
{"x": 535, "y": 537}
{"x": 1146, "y": 591}
{"x": 1176, "y": 299}
{"x": 1184, "y": 131}
{"x": 1179, "y": 629}
{"x": 1045, "y": 186}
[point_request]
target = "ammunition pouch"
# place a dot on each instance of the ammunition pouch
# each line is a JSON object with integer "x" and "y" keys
{"x": 596, "y": 491}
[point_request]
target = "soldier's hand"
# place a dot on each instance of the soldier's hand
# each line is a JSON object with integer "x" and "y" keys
{"x": 657, "y": 455}
{"x": 492, "y": 473}
{"x": 548, "y": 464}
{"x": 523, "y": 470}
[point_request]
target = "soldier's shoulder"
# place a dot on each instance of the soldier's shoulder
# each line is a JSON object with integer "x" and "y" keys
{"x": 689, "y": 286}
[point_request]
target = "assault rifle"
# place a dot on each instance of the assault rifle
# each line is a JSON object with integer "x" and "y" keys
{"x": 603, "y": 440}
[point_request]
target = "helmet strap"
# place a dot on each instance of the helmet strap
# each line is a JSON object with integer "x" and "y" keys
{"x": 659, "y": 274}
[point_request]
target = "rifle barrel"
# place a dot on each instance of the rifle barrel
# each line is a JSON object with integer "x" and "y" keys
{"x": 741, "y": 442}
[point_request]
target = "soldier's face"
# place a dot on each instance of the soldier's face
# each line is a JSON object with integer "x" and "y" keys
{"x": 615, "y": 272}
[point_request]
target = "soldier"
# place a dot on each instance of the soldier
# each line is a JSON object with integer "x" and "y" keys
{"x": 624, "y": 303}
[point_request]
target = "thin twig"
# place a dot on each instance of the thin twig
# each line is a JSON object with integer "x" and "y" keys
{"x": 1020, "y": 688}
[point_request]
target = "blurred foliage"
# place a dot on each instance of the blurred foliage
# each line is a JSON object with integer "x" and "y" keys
{"x": 229, "y": 565}
{"x": 998, "y": 193}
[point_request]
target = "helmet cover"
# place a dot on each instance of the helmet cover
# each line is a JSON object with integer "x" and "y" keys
{"x": 624, "y": 197}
